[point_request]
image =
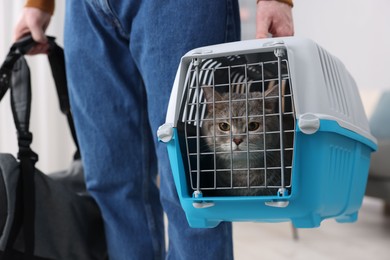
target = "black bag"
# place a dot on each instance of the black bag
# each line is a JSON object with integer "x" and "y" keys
{"x": 43, "y": 216}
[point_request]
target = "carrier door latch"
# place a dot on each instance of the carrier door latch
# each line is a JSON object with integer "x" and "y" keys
{"x": 165, "y": 133}
{"x": 309, "y": 123}
{"x": 277, "y": 204}
{"x": 201, "y": 204}
{"x": 282, "y": 192}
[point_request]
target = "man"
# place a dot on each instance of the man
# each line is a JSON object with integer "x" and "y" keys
{"x": 121, "y": 59}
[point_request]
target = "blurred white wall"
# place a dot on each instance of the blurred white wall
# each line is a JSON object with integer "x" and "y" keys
{"x": 356, "y": 31}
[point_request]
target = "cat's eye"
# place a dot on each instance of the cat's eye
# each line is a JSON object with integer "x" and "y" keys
{"x": 253, "y": 126}
{"x": 224, "y": 126}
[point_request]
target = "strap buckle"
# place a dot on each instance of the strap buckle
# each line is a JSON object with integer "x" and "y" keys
{"x": 24, "y": 142}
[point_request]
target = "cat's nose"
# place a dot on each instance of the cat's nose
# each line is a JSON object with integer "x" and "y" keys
{"x": 237, "y": 140}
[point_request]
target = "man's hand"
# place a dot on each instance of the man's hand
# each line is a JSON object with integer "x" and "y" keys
{"x": 273, "y": 18}
{"x": 33, "y": 21}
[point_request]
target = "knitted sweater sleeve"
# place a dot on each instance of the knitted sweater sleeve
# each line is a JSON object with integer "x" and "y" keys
{"x": 48, "y": 5}
{"x": 289, "y": 2}
{"x": 44, "y": 5}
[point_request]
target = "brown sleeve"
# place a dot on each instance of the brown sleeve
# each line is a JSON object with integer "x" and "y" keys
{"x": 44, "y": 5}
{"x": 289, "y": 2}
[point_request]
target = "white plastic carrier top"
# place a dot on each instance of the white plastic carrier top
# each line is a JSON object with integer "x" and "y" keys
{"x": 335, "y": 96}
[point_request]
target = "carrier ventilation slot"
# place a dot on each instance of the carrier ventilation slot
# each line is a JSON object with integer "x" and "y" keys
{"x": 331, "y": 68}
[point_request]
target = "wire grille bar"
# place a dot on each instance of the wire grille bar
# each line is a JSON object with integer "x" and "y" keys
{"x": 234, "y": 126}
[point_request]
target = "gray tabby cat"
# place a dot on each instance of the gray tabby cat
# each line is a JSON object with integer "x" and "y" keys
{"x": 235, "y": 131}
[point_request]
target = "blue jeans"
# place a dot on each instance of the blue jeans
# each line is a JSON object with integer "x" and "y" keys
{"x": 121, "y": 59}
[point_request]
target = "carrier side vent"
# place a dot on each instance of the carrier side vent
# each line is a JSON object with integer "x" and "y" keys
{"x": 334, "y": 81}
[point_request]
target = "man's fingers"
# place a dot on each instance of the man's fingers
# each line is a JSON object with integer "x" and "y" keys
{"x": 284, "y": 31}
{"x": 262, "y": 28}
{"x": 273, "y": 19}
{"x": 37, "y": 30}
{"x": 262, "y": 35}
{"x": 33, "y": 21}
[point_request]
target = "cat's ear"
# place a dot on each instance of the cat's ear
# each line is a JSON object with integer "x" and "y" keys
{"x": 273, "y": 97}
{"x": 210, "y": 95}
{"x": 272, "y": 91}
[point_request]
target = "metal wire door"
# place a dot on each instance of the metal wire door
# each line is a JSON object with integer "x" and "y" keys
{"x": 239, "y": 123}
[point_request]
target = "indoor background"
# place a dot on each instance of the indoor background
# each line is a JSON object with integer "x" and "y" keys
{"x": 355, "y": 31}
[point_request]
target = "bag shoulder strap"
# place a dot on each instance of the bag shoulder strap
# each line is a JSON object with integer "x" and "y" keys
{"x": 25, "y": 200}
{"x": 57, "y": 64}
{"x": 15, "y": 75}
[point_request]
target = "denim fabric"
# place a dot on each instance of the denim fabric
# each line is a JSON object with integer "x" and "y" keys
{"x": 121, "y": 59}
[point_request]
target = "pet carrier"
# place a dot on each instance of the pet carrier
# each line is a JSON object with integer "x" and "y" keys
{"x": 267, "y": 130}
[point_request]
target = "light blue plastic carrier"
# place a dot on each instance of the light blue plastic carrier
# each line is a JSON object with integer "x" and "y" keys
{"x": 322, "y": 172}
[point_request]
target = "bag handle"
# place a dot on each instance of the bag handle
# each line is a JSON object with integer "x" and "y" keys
{"x": 17, "y": 50}
{"x": 15, "y": 74}
{"x": 21, "y": 107}
{"x": 25, "y": 200}
{"x": 57, "y": 64}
